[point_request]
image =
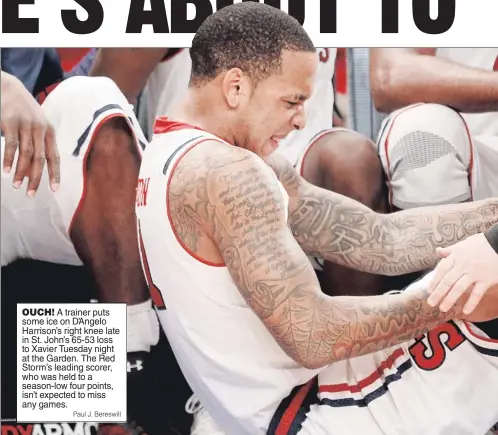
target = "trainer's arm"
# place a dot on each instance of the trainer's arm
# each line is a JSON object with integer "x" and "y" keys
{"x": 403, "y": 76}
{"x": 343, "y": 231}
{"x": 128, "y": 67}
{"x": 468, "y": 267}
{"x": 276, "y": 279}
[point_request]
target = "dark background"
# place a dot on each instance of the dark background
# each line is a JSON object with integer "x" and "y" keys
{"x": 156, "y": 400}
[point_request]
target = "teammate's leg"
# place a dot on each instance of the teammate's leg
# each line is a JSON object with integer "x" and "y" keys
{"x": 427, "y": 155}
{"x": 100, "y": 145}
{"x": 103, "y": 229}
{"x": 346, "y": 162}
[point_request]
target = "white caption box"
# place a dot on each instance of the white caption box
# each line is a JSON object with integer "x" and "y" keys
{"x": 71, "y": 362}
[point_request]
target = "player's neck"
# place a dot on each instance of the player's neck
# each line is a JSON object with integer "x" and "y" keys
{"x": 198, "y": 108}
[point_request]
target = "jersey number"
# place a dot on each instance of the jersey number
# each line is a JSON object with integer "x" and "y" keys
{"x": 431, "y": 356}
{"x": 155, "y": 293}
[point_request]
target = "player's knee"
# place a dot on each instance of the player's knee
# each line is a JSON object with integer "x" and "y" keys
{"x": 426, "y": 152}
{"x": 346, "y": 162}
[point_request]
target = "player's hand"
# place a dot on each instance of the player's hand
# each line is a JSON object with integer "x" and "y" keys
{"x": 25, "y": 126}
{"x": 470, "y": 265}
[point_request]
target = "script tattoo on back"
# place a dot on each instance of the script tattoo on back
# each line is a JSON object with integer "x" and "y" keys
{"x": 248, "y": 228}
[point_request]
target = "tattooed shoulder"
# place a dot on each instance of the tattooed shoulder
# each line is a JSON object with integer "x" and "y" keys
{"x": 188, "y": 202}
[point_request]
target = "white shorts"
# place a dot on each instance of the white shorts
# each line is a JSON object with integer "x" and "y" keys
{"x": 437, "y": 384}
{"x": 39, "y": 228}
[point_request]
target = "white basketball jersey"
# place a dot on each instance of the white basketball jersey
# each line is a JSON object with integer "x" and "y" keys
{"x": 228, "y": 357}
{"x": 319, "y": 108}
{"x": 440, "y": 384}
{"x": 443, "y": 383}
{"x": 39, "y": 228}
{"x": 168, "y": 83}
{"x": 482, "y": 58}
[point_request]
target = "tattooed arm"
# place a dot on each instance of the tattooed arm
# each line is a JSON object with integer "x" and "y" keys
{"x": 343, "y": 231}
{"x": 247, "y": 221}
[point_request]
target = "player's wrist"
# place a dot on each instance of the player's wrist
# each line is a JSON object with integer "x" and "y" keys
{"x": 434, "y": 315}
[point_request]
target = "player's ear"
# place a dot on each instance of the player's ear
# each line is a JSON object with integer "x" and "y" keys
{"x": 235, "y": 87}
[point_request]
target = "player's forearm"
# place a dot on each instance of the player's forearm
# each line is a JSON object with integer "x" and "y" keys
{"x": 345, "y": 232}
{"x": 416, "y": 233}
{"x": 347, "y": 327}
{"x": 316, "y": 330}
{"x": 407, "y": 78}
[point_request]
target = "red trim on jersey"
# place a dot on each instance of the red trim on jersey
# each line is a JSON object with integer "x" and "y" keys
{"x": 87, "y": 153}
{"x": 341, "y": 72}
{"x": 154, "y": 291}
{"x": 495, "y": 66}
{"x": 185, "y": 248}
{"x": 290, "y": 413}
{"x": 164, "y": 125}
{"x": 370, "y": 379}
{"x": 477, "y": 335}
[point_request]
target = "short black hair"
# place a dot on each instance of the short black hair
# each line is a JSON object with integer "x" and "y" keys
{"x": 250, "y": 36}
